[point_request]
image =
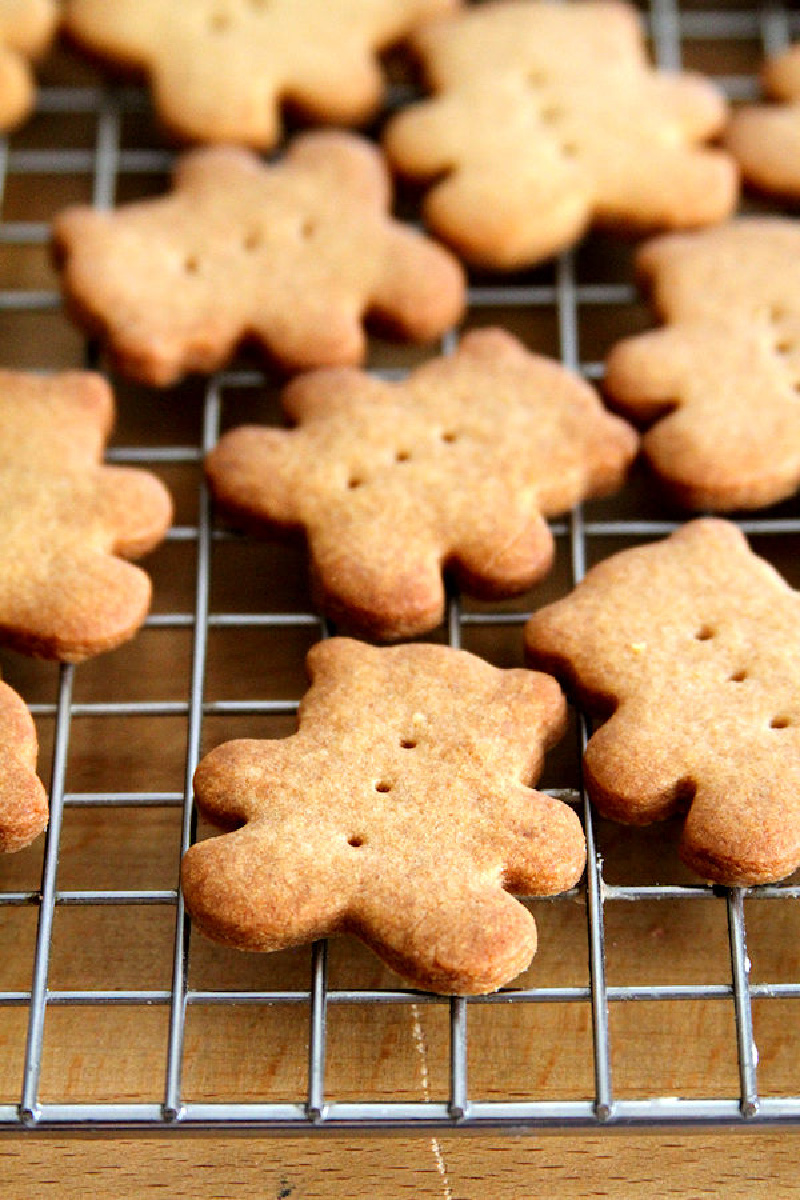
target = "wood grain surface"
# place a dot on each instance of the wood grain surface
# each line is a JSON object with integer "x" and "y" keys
{"x": 252, "y": 1052}
{"x": 451, "y": 1168}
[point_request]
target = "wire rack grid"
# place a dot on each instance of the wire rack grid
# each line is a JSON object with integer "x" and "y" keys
{"x": 455, "y": 1094}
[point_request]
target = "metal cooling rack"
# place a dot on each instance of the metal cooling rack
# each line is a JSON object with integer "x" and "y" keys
{"x": 670, "y": 26}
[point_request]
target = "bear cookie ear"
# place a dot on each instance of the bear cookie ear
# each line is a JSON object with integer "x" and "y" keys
{"x": 765, "y": 138}
{"x": 400, "y": 811}
{"x": 692, "y": 645}
{"x": 26, "y": 29}
{"x": 718, "y": 385}
{"x": 221, "y": 74}
{"x": 452, "y": 470}
{"x": 65, "y": 518}
{"x": 23, "y": 802}
{"x": 174, "y": 284}
{"x": 558, "y": 101}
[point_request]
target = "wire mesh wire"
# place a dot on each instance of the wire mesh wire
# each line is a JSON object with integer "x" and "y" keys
{"x": 571, "y": 300}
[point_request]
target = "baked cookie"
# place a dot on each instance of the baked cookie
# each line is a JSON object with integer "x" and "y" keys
{"x": 23, "y": 802}
{"x": 220, "y": 69}
{"x": 454, "y": 467}
{"x": 26, "y": 27}
{"x": 765, "y": 138}
{"x": 693, "y": 646}
{"x": 292, "y": 255}
{"x": 400, "y": 811}
{"x": 548, "y": 117}
{"x": 64, "y": 519}
{"x": 720, "y": 385}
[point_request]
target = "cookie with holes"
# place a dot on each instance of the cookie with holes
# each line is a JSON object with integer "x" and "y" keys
{"x": 221, "y": 69}
{"x": 67, "y": 521}
{"x": 547, "y": 118}
{"x": 690, "y": 647}
{"x": 765, "y": 138}
{"x": 291, "y": 255}
{"x": 452, "y": 469}
{"x": 718, "y": 385}
{"x": 26, "y": 27}
{"x": 23, "y": 802}
{"x": 401, "y": 811}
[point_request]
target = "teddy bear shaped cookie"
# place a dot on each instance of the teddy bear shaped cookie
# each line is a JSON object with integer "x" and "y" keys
{"x": 719, "y": 385}
{"x": 220, "y": 69}
{"x": 291, "y": 255}
{"x": 399, "y": 811}
{"x": 546, "y": 118}
{"x": 23, "y": 803}
{"x": 452, "y": 469}
{"x": 65, "y": 520}
{"x": 691, "y": 648}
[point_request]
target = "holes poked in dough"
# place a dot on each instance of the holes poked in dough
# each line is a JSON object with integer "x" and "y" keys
{"x": 537, "y": 77}
{"x": 220, "y": 21}
{"x": 402, "y": 455}
{"x": 784, "y": 342}
{"x": 551, "y": 114}
{"x": 705, "y": 633}
{"x": 781, "y": 721}
{"x": 356, "y": 840}
{"x": 738, "y": 676}
{"x": 383, "y": 786}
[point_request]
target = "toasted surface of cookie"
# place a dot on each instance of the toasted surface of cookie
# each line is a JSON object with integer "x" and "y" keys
{"x": 292, "y": 255}
{"x": 23, "y": 802}
{"x": 692, "y": 645}
{"x": 548, "y": 117}
{"x": 65, "y": 518}
{"x": 719, "y": 385}
{"x": 453, "y": 468}
{"x": 26, "y": 27}
{"x": 399, "y": 811}
{"x": 765, "y": 138}
{"x": 221, "y": 68}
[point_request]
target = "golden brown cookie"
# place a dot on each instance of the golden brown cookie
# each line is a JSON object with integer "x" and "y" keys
{"x": 453, "y": 468}
{"x": 65, "y": 519}
{"x": 765, "y": 138}
{"x": 26, "y": 27}
{"x": 23, "y": 802}
{"x": 220, "y": 69}
{"x": 720, "y": 385}
{"x": 547, "y": 117}
{"x": 400, "y": 811}
{"x": 292, "y": 255}
{"x": 692, "y": 647}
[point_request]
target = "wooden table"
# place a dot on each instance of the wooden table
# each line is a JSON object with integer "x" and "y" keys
{"x": 464, "y": 1168}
